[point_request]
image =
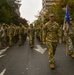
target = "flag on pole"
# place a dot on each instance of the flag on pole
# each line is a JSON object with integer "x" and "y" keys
{"x": 67, "y": 15}
{"x": 67, "y": 28}
{"x": 67, "y": 18}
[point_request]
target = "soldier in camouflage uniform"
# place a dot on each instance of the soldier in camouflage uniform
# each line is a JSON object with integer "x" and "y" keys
{"x": 38, "y": 33}
{"x": 41, "y": 33}
{"x": 21, "y": 35}
{"x": 53, "y": 35}
{"x": 71, "y": 38}
{"x": 10, "y": 33}
{"x": 25, "y": 33}
{"x": 15, "y": 34}
{"x": 0, "y": 30}
{"x": 6, "y": 36}
{"x": 31, "y": 35}
{"x": 3, "y": 36}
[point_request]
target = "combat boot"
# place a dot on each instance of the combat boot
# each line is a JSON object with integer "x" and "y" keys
{"x": 72, "y": 55}
{"x": 31, "y": 46}
{"x": 52, "y": 66}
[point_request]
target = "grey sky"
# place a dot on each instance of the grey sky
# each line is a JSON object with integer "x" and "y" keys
{"x": 30, "y": 8}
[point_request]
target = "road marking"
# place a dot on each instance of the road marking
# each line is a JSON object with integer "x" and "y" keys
{"x": 3, "y": 72}
{"x": 26, "y": 68}
{"x": 3, "y": 50}
{"x": 27, "y": 38}
{"x": 40, "y": 49}
{"x": 2, "y": 56}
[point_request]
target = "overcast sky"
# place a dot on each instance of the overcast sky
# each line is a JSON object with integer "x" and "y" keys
{"x": 30, "y": 8}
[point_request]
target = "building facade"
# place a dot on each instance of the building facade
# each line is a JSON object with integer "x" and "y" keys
{"x": 46, "y": 6}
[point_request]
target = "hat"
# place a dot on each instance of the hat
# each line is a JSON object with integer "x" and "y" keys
{"x": 3, "y": 23}
{"x": 51, "y": 15}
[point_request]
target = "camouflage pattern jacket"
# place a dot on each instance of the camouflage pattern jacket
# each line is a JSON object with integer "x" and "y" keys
{"x": 71, "y": 30}
{"x": 53, "y": 32}
{"x": 31, "y": 31}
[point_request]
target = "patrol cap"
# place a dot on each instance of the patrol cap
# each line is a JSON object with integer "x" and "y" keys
{"x": 51, "y": 15}
{"x": 3, "y": 24}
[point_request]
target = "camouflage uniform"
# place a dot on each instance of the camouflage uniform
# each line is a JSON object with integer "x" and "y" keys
{"x": 44, "y": 37}
{"x": 25, "y": 33}
{"x": 1, "y": 32}
{"x": 53, "y": 34}
{"x": 3, "y": 38}
{"x": 10, "y": 33}
{"x": 71, "y": 39}
{"x": 21, "y": 35}
{"x": 38, "y": 33}
{"x": 0, "y": 36}
{"x": 15, "y": 34}
{"x": 69, "y": 35}
{"x": 41, "y": 33}
{"x": 6, "y": 36}
{"x": 31, "y": 36}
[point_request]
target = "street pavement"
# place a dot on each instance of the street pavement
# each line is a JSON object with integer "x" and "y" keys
{"x": 22, "y": 60}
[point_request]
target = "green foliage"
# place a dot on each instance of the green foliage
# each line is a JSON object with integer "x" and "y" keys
{"x": 37, "y": 22}
{"x": 62, "y": 5}
{"x": 59, "y": 10}
{"x": 7, "y": 12}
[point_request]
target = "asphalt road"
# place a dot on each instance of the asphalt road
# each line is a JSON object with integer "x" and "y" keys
{"x": 22, "y": 60}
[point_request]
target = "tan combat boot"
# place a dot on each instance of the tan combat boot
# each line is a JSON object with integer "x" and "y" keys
{"x": 52, "y": 66}
{"x": 72, "y": 55}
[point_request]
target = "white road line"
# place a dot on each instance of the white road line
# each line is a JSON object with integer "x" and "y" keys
{"x": 3, "y": 50}
{"x": 40, "y": 49}
{"x": 3, "y": 72}
{"x": 2, "y": 56}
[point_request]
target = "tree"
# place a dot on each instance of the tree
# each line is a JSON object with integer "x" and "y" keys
{"x": 8, "y": 12}
{"x": 59, "y": 10}
{"x": 37, "y": 22}
{"x": 24, "y": 22}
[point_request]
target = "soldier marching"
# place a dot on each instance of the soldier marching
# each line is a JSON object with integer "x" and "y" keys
{"x": 53, "y": 36}
{"x": 69, "y": 37}
{"x": 12, "y": 34}
{"x": 31, "y": 32}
